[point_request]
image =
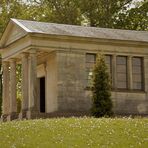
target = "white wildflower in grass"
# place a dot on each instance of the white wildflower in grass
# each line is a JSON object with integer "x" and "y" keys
{"x": 75, "y": 132}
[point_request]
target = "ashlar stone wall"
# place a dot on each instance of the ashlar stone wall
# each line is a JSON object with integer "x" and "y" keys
{"x": 71, "y": 81}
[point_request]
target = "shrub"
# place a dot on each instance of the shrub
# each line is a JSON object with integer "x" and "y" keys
{"x": 101, "y": 90}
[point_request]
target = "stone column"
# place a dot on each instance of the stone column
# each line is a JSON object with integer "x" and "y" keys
{"x": 33, "y": 108}
{"x": 13, "y": 105}
{"x": 114, "y": 71}
{"x": 25, "y": 97}
{"x": 6, "y": 98}
{"x": 129, "y": 72}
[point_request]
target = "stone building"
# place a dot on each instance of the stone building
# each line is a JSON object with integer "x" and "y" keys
{"x": 57, "y": 63}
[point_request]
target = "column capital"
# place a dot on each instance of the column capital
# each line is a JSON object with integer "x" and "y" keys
{"x": 24, "y": 54}
{"x": 129, "y": 56}
{"x": 12, "y": 60}
{"x": 33, "y": 51}
{"x": 114, "y": 55}
{"x": 5, "y": 63}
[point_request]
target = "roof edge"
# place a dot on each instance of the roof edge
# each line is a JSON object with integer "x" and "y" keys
{"x": 78, "y": 25}
{"x": 12, "y": 21}
{"x": 21, "y": 25}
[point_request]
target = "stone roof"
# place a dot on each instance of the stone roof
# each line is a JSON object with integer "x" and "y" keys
{"x": 81, "y": 31}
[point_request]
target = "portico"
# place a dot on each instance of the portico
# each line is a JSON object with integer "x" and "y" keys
{"x": 29, "y": 82}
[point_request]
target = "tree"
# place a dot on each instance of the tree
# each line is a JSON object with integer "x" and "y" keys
{"x": 20, "y": 10}
{"x": 98, "y": 13}
{"x": 102, "y": 13}
{"x": 101, "y": 90}
{"x": 135, "y": 18}
{"x": 60, "y": 11}
{"x": 8, "y": 9}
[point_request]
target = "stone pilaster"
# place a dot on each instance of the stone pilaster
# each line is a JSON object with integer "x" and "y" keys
{"x": 25, "y": 96}
{"x": 145, "y": 79}
{"x": 129, "y": 72}
{"x": 33, "y": 101}
{"x": 114, "y": 73}
{"x": 6, "y": 97}
{"x": 13, "y": 104}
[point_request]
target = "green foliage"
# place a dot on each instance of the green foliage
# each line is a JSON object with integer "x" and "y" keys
{"x": 18, "y": 86}
{"x": 101, "y": 98}
{"x": 17, "y": 9}
{"x": 75, "y": 132}
{"x": 0, "y": 88}
{"x": 102, "y": 13}
{"x": 19, "y": 103}
{"x": 61, "y": 11}
{"x": 134, "y": 18}
{"x": 99, "y": 13}
{"x": 122, "y": 14}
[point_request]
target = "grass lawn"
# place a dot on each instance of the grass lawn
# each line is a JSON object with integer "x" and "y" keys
{"x": 75, "y": 132}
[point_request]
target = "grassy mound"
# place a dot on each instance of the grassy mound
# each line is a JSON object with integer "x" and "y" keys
{"x": 75, "y": 132}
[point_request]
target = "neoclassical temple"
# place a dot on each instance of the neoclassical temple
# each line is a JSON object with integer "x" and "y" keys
{"x": 57, "y": 62}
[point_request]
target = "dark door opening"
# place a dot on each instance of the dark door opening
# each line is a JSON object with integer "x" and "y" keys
{"x": 42, "y": 94}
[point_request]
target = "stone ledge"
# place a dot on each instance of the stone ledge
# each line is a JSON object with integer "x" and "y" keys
{"x": 35, "y": 115}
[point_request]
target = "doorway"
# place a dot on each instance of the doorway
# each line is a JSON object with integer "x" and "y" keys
{"x": 42, "y": 95}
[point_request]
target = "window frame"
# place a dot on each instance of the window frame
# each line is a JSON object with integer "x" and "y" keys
{"x": 128, "y": 73}
{"x": 126, "y": 66}
{"x": 142, "y": 74}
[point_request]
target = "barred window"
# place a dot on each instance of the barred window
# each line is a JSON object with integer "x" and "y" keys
{"x": 90, "y": 61}
{"x": 121, "y": 72}
{"x": 137, "y": 72}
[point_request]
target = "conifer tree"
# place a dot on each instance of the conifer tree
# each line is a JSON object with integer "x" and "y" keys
{"x": 101, "y": 90}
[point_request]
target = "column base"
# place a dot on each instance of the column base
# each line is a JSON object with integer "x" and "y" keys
{"x": 4, "y": 117}
{"x": 23, "y": 115}
{"x": 12, "y": 116}
{"x": 32, "y": 114}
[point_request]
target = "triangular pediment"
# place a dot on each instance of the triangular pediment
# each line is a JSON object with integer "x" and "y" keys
{"x": 15, "y": 34}
{"x": 12, "y": 33}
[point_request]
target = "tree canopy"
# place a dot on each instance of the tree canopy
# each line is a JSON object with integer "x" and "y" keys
{"x": 122, "y": 14}
{"x": 134, "y": 18}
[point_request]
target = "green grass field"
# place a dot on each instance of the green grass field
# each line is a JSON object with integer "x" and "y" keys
{"x": 75, "y": 132}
